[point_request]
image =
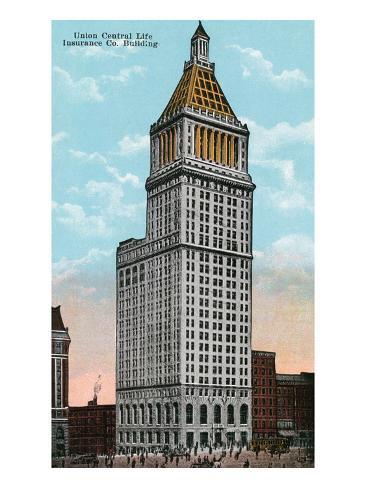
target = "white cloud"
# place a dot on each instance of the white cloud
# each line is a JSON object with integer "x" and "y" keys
{"x": 286, "y": 265}
{"x": 74, "y": 217}
{"x": 59, "y": 136}
{"x": 86, "y": 89}
{"x": 292, "y": 250}
{"x": 111, "y": 197}
{"x": 288, "y": 199}
{"x": 292, "y": 194}
{"x": 95, "y": 52}
{"x": 264, "y": 141}
{"x": 66, "y": 268}
{"x": 131, "y": 144}
{"x": 255, "y": 64}
{"x": 112, "y": 170}
{"x": 125, "y": 74}
{"x": 107, "y": 199}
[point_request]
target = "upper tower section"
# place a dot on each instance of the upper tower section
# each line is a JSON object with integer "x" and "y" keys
{"x": 198, "y": 87}
{"x": 198, "y": 124}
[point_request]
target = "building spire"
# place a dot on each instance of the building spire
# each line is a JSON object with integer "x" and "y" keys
{"x": 199, "y": 46}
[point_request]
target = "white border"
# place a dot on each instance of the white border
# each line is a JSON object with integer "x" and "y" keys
{"x": 340, "y": 236}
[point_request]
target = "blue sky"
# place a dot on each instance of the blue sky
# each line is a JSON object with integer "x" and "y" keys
{"x": 104, "y": 101}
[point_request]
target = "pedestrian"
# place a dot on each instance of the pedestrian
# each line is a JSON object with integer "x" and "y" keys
{"x": 177, "y": 461}
{"x": 133, "y": 464}
{"x": 128, "y": 460}
{"x": 199, "y": 460}
{"x": 156, "y": 464}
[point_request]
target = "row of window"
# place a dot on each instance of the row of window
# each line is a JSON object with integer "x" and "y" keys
{"x": 136, "y": 414}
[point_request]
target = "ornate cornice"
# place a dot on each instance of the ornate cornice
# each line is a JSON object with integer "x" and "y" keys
{"x": 184, "y": 169}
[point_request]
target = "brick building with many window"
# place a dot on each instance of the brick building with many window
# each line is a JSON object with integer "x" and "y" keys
{"x": 264, "y": 396}
{"x": 295, "y": 407}
{"x": 92, "y": 429}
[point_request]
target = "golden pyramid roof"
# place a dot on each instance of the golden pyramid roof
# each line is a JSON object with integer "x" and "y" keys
{"x": 198, "y": 88}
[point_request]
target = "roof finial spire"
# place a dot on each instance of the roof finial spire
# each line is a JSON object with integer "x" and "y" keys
{"x": 199, "y": 45}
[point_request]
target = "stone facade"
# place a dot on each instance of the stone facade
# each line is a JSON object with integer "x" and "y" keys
{"x": 60, "y": 384}
{"x": 183, "y": 363}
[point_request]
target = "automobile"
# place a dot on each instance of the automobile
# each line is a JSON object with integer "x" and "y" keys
{"x": 84, "y": 459}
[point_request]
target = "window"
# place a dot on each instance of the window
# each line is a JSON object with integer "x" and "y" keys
{"x": 167, "y": 414}
{"x": 142, "y": 414}
{"x": 128, "y": 414}
{"x": 230, "y": 414}
{"x": 189, "y": 413}
{"x": 189, "y": 439}
{"x": 176, "y": 413}
{"x": 244, "y": 414}
{"x": 121, "y": 414}
{"x": 134, "y": 408}
{"x": 158, "y": 413}
{"x": 217, "y": 414}
{"x": 203, "y": 414}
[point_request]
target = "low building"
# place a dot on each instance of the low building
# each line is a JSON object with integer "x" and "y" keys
{"x": 92, "y": 428}
{"x": 264, "y": 395}
{"x": 60, "y": 342}
{"x": 295, "y": 408}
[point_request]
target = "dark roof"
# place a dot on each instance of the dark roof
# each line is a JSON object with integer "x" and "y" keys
{"x": 200, "y": 31}
{"x": 57, "y": 322}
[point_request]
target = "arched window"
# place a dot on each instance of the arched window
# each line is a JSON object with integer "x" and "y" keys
{"x": 158, "y": 413}
{"x": 230, "y": 414}
{"x": 244, "y": 414}
{"x": 203, "y": 414}
{"x": 176, "y": 414}
{"x": 128, "y": 414}
{"x": 167, "y": 414}
{"x": 217, "y": 414}
{"x": 149, "y": 413}
{"x": 189, "y": 413}
{"x": 134, "y": 408}
{"x": 121, "y": 414}
{"x": 142, "y": 414}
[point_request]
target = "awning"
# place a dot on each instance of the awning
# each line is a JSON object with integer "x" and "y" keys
{"x": 287, "y": 433}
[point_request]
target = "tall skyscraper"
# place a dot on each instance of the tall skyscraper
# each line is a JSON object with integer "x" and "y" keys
{"x": 184, "y": 291}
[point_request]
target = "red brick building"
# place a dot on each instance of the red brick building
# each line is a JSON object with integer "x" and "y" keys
{"x": 295, "y": 408}
{"x": 264, "y": 396}
{"x": 92, "y": 429}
